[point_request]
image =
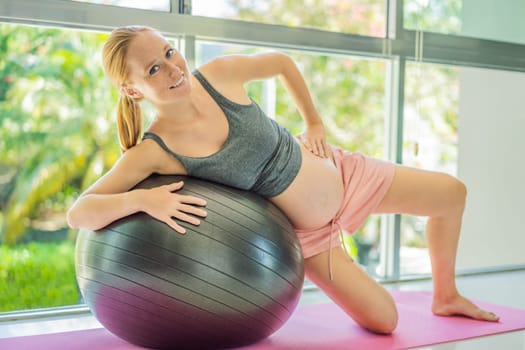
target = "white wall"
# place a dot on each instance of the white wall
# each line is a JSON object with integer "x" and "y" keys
{"x": 492, "y": 143}
{"x": 492, "y": 164}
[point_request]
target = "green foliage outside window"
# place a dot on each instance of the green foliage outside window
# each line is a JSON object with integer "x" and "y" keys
{"x": 56, "y": 136}
{"x": 441, "y": 16}
{"x": 37, "y": 275}
{"x": 55, "y": 124}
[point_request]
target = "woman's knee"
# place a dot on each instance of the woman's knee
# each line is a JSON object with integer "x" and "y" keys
{"x": 384, "y": 320}
{"x": 386, "y": 326}
{"x": 457, "y": 192}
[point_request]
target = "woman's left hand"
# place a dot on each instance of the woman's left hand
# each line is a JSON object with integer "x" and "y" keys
{"x": 314, "y": 139}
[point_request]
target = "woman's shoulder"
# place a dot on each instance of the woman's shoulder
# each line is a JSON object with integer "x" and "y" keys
{"x": 240, "y": 69}
{"x": 219, "y": 66}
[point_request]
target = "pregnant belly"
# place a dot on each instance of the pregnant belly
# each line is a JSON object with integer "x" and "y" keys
{"x": 316, "y": 194}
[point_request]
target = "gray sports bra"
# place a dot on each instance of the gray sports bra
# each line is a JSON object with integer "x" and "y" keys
{"x": 259, "y": 155}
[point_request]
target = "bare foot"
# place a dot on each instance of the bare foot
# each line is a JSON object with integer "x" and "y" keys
{"x": 461, "y": 306}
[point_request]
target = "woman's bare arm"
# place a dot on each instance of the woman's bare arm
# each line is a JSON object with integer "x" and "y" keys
{"x": 109, "y": 198}
{"x": 232, "y": 72}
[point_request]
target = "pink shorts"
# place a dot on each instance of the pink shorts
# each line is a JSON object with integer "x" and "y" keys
{"x": 366, "y": 181}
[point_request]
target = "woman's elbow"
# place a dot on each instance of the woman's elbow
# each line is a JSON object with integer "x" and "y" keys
{"x": 75, "y": 216}
{"x": 72, "y": 218}
{"x": 285, "y": 60}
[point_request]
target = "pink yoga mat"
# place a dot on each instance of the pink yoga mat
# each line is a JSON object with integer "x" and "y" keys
{"x": 318, "y": 327}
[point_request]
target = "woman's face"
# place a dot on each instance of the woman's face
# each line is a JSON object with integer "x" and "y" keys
{"x": 157, "y": 72}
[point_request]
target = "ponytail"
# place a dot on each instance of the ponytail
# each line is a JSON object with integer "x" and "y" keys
{"x": 129, "y": 122}
{"x": 129, "y": 115}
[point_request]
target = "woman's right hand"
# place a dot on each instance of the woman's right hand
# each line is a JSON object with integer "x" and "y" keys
{"x": 164, "y": 204}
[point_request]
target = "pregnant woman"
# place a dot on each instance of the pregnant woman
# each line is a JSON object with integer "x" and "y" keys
{"x": 206, "y": 126}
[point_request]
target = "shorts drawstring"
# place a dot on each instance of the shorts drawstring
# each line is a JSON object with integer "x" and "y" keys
{"x": 334, "y": 222}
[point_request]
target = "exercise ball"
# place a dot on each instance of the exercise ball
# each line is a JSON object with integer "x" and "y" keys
{"x": 231, "y": 281}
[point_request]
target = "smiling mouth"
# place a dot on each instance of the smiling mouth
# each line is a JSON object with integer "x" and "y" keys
{"x": 178, "y": 83}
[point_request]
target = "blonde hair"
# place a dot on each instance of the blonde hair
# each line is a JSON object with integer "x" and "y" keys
{"x": 114, "y": 60}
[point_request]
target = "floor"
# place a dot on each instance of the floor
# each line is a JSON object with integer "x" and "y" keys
{"x": 506, "y": 288}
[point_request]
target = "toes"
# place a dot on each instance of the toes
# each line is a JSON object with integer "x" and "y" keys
{"x": 480, "y": 314}
{"x": 488, "y": 316}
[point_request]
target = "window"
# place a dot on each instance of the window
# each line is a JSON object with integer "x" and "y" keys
{"x": 434, "y": 16}
{"x": 485, "y": 19}
{"x": 430, "y": 142}
{"x": 56, "y": 128}
{"x": 156, "y": 5}
{"x": 363, "y": 17}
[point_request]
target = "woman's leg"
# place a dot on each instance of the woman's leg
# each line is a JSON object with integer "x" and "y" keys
{"x": 442, "y": 198}
{"x": 359, "y": 295}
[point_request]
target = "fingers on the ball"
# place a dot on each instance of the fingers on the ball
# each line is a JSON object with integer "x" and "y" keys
{"x": 193, "y": 200}
{"x": 190, "y": 209}
{"x": 173, "y": 224}
{"x": 187, "y": 218}
{"x": 175, "y": 186}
